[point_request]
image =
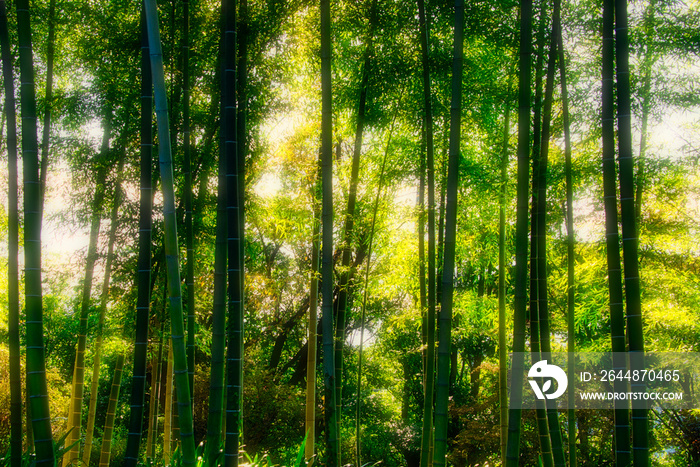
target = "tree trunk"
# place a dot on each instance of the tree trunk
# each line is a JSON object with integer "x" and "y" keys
{"x": 515, "y": 410}
{"x": 426, "y": 438}
{"x": 175, "y": 420}
{"x": 234, "y": 205}
{"x": 535, "y": 350}
{"x": 287, "y": 328}
{"x": 12, "y": 247}
{"x": 312, "y": 337}
{"x": 421, "y": 253}
{"x": 617, "y": 320}
{"x": 583, "y": 433}
{"x": 154, "y": 400}
{"x": 189, "y": 232}
{"x": 570, "y": 241}
{"x": 502, "y": 344}
{"x": 111, "y": 410}
{"x": 168, "y": 408}
{"x": 171, "y": 242}
{"x": 43, "y": 169}
{"x": 241, "y": 90}
{"x": 104, "y": 296}
{"x": 646, "y": 110}
{"x": 441, "y": 222}
{"x": 358, "y": 403}
{"x": 77, "y": 388}
{"x": 143, "y": 274}
{"x": 648, "y": 63}
{"x": 445, "y": 329}
{"x": 475, "y": 374}
{"x": 545, "y": 344}
{"x": 347, "y": 273}
{"x": 329, "y": 370}
{"x": 630, "y": 240}
{"x": 241, "y": 129}
{"x": 218, "y": 341}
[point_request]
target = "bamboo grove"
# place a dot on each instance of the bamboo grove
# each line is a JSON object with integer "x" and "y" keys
{"x": 313, "y": 233}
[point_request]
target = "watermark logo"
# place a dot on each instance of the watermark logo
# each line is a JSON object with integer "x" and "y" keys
{"x": 605, "y": 380}
{"x": 546, "y": 372}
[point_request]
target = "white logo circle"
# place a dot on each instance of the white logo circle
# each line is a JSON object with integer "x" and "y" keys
{"x": 542, "y": 369}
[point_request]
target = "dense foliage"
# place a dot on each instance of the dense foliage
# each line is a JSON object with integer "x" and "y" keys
{"x": 247, "y": 105}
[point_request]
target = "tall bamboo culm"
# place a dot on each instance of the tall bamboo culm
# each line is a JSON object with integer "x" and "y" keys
{"x": 570, "y": 242}
{"x": 428, "y": 392}
{"x": 329, "y": 370}
{"x": 111, "y": 410}
{"x": 422, "y": 287}
{"x": 630, "y": 240}
{"x": 143, "y": 274}
{"x": 445, "y": 327}
{"x": 535, "y": 332}
{"x": 502, "y": 344}
{"x": 313, "y": 315}
{"x": 78, "y": 386}
{"x": 375, "y": 210}
{"x": 218, "y": 339}
{"x": 234, "y": 205}
{"x": 522, "y": 195}
{"x": 46, "y": 133}
{"x": 545, "y": 340}
{"x": 154, "y": 396}
{"x": 171, "y": 242}
{"x": 104, "y": 295}
{"x": 37, "y": 390}
{"x": 189, "y": 231}
{"x": 12, "y": 247}
{"x": 623, "y": 457}
{"x": 168, "y": 408}
{"x": 346, "y": 277}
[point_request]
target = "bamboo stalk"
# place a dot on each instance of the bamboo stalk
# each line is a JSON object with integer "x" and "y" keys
{"x": 347, "y": 272}
{"x": 329, "y": 370}
{"x": 168, "y": 407}
{"x": 111, "y": 410}
{"x": 156, "y": 367}
{"x": 502, "y": 345}
{"x": 445, "y": 328}
{"x": 427, "y": 432}
{"x": 143, "y": 277}
{"x": 375, "y": 210}
{"x": 312, "y": 338}
{"x": 570, "y": 242}
{"x": 520, "y": 299}
{"x": 78, "y": 386}
{"x": 104, "y": 296}
{"x": 617, "y": 321}
{"x": 630, "y": 239}
{"x": 171, "y": 241}
{"x": 12, "y": 248}
{"x": 44, "y": 164}
{"x": 37, "y": 391}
